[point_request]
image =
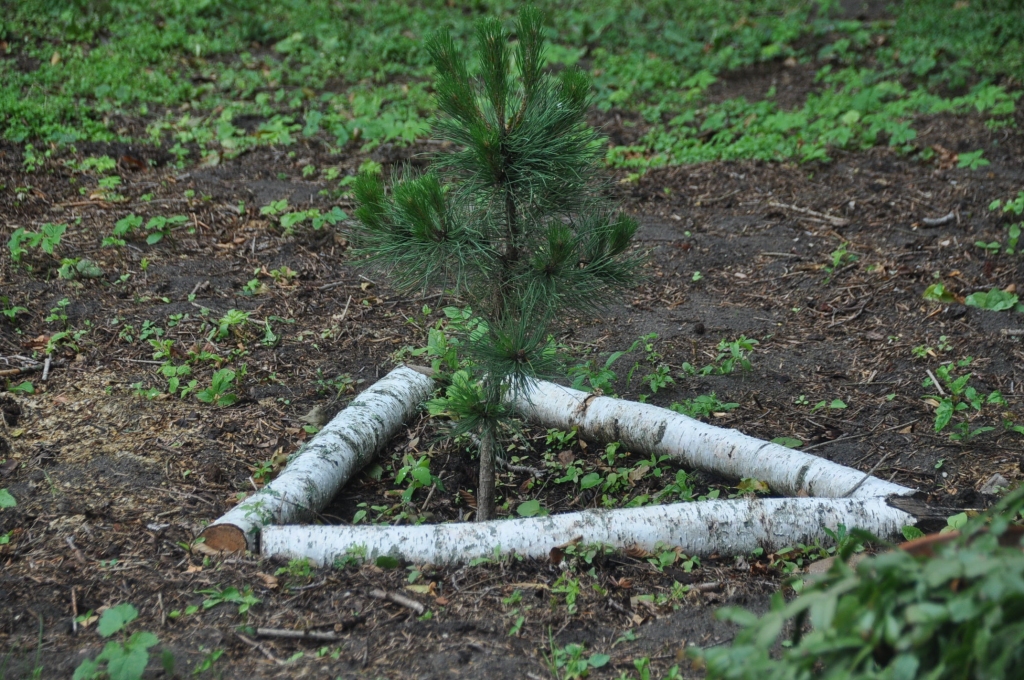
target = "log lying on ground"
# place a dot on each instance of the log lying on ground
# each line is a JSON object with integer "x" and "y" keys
{"x": 326, "y": 462}
{"x": 727, "y": 527}
{"x": 647, "y": 429}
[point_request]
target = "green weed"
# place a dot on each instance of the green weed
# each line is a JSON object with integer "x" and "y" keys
{"x": 120, "y": 660}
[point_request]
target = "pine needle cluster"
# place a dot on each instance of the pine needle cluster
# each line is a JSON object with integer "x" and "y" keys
{"x": 514, "y": 220}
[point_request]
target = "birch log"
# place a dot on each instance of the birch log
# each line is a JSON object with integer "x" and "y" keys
{"x": 728, "y": 527}
{"x": 648, "y": 429}
{"x": 326, "y": 462}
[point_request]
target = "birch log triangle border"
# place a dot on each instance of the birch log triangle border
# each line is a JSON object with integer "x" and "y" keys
{"x": 819, "y": 493}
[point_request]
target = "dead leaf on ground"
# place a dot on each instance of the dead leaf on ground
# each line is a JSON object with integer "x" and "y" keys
{"x": 269, "y": 580}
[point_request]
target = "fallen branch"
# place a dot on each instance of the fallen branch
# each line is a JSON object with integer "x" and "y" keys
{"x": 831, "y": 219}
{"x": 317, "y": 636}
{"x": 399, "y": 599}
{"x": 325, "y": 463}
{"x": 9, "y": 372}
{"x": 728, "y": 527}
{"x": 647, "y": 429}
{"x": 260, "y": 648}
{"x": 939, "y": 221}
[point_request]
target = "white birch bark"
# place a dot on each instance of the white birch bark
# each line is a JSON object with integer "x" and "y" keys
{"x": 727, "y": 527}
{"x": 647, "y": 429}
{"x": 326, "y": 462}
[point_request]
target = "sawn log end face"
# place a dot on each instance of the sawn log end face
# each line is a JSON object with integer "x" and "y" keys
{"x": 222, "y": 538}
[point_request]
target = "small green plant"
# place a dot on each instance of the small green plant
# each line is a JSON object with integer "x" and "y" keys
{"x": 207, "y": 662}
{"x": 231, "y": 320}
{"x": 835, "y": 404}
{"x": 218, "y": 393}
{"x": 959, "y": 396}
{"x": 72, "y": 268}
{"x": 123, "y": 228}
{"x": 569, "y": 588}
{"x": 46, "y": 239}
{"x": 1013, "y": 206}
{"x": 416, "y": 471}
{"x": 937, "y": 293}
{"x": 124, "y": 659}
{"x": 972, "y": 160}
{"x": 681, "y": 488}
{"x": 994, "y": 300}
{"x": 13, "y": 311}
{"x": 244, "y": 598}
{"x": 731, "y": 354}
{"x": 703, "y": 406}
{"x": 659, "y": 379}
{"x": 571, "y": 662}
{"x": 160, "y": 227}
{"x": 559, "y": 439}
{"x": 297, "y": 570}
{"x": 592, "y": 376}
{"x": 339, "y": 385}
{"x": 175, "y": 375}
{"x": 839, "y": 258}
{"x": 6, "y": 499}
{"x": 24, "y": 387}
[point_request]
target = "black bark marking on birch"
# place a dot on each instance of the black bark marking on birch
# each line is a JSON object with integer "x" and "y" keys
{"x": 660, "y": 436}
{"x": 801, "y": 475}
{"x": 761, "y": 447}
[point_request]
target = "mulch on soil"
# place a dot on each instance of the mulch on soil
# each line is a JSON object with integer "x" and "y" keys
{"x": 112, "y": 487}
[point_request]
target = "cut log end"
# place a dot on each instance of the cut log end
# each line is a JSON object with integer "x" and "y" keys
{"x": 222, "y": 538}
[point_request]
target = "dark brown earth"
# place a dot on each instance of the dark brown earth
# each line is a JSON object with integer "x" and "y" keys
{"x": 112, "y": 487}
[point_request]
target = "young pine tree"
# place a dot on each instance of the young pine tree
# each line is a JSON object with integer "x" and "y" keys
{"x": 513, "y": 221}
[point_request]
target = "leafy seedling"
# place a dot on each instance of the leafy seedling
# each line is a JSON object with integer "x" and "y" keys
{"x": 119, "y": 660}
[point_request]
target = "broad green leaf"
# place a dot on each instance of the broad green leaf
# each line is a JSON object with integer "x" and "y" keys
{"x": 421, "y": 475}
{"x": 116, "y": 618}
{"x": 529, "y": 508}
{"x": 994, "y": 300}
{"x": 87, "y": 670}
{"x": 910, "y": 533}
{"x": 131, "y": 666}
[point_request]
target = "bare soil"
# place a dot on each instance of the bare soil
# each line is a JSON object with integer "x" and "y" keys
{"x": 110, "y": 484}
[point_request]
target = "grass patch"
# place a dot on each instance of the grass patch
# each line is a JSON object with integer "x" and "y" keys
{"x": 214, "y": 79}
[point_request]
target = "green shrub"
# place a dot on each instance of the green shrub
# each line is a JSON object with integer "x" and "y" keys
{"x": 959, "y": 614}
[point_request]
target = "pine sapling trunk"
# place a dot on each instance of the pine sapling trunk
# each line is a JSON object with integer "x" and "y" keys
{"x": 485, "y": 490}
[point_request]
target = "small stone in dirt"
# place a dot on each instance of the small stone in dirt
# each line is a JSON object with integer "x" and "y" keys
{"x": 994, "y": 484}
